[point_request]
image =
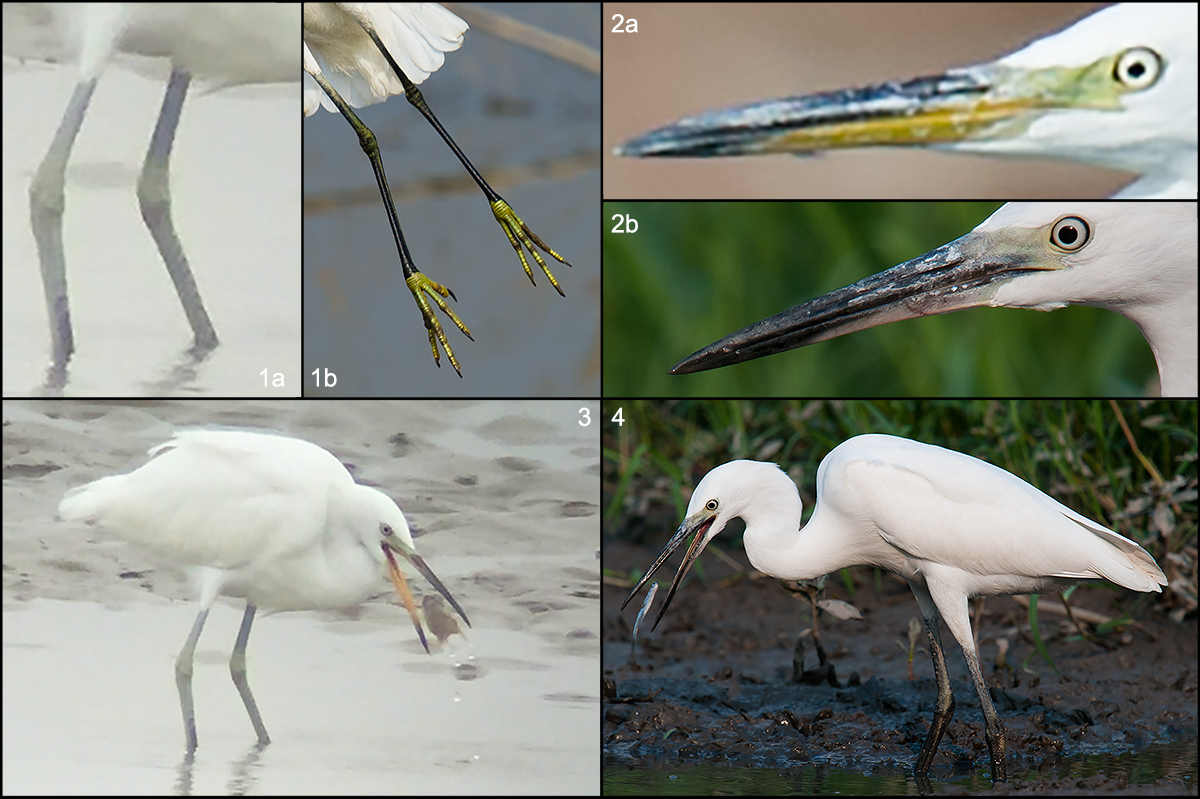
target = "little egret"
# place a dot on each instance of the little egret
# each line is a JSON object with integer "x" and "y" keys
{"x": 953, "y": 526}
{"x": 1117, "y": 89}
{"x": 226, "y": 44}
{"x": 1135, "y": 258}
{"x": 357, "y": 54}
{"x": 274, "y": 520}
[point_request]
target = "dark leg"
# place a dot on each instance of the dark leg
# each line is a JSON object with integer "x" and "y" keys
{"x": 420, "y": 285}
{"x": 994, "y": 729}
{"x": 952, "y": 606}
{"x": 517, "y": 231}
{"x": 944, "y": 710}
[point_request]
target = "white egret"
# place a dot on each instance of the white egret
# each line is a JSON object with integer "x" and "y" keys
{"x": 1117, "y": 89}
{"x": 357, "y": 54}
{"x": 953, "y": 526}
{"x": 225, "y": 44}
{"x": 1135, "y": 258}
{"x": 274, "y": 520}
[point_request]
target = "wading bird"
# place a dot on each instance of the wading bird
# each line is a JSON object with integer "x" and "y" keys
{"x": 953, "y": 526}
{"x": 357, "y": 54}
{"x": 271, "y": 519}
{"x": 1117, "y": 89}
{"x": 223, "y": 44}
{"x": 1135, "y": 258}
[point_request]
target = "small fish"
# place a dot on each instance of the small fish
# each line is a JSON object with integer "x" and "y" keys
{"x": 641, "y": 613}
{"x": 440, "y": 622}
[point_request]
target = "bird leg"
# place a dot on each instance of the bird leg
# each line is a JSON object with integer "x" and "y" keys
{"x": 183, "y": 680}
{"x": 46, "y": 204}
{"x": 420, "y": 285}
{"x": 515, "y": 229}
{"x": 154, "y": 198}
{"x": 237, "y": 669}
{"x": 944, "y": 710}
{"x": 993, "y": 728}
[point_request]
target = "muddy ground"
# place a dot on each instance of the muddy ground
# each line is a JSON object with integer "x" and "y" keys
{"x": 714, "y": 684}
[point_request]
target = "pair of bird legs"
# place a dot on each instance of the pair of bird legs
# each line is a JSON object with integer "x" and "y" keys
{"x": 46, "y": 203}
{"x": 237, "y": 668}
{"x": 422, "y": 287}
{"x": 943, "y": 709}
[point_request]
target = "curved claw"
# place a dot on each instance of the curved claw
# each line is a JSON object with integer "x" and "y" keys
{"x": 420, "y": 286}
{"x": 519, "y": 234}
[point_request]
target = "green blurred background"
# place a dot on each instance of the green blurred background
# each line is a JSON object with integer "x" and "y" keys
{"x": 696, "y": 271}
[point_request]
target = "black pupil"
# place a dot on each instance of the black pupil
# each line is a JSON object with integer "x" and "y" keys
{"x": 1068, "y": 235}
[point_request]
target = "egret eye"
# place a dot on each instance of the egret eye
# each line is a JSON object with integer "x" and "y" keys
{"x": 711, "y": 504}
{"x": 385, "y": 530}
{"x": 1138, "y": 68}
{"x": 1070, "y": 234}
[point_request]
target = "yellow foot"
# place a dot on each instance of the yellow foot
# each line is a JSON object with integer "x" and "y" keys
{"x": 420, "y": 286}
{"x": 519, "y": 233}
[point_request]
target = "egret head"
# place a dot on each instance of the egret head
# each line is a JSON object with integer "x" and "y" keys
{"x": 1117, "y": 89}
{"x": 739, "y": 489}
{"x": 394, "y": 537}
{"x": 1135, "y": 258}
{"x": 1122, "y": 256}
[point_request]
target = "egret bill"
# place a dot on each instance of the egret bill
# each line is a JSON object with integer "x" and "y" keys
{"x": 1136, "y": 258}
{"x": 1117, "y": 89}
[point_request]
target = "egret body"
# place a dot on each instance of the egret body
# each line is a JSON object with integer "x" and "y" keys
{"x": 1135, "y": 258}
{"x": 357, "y": 54}
{"x": 274, "y": 520}
{"x": 1117, "y": 89}
{"x": 953, "y": 526}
